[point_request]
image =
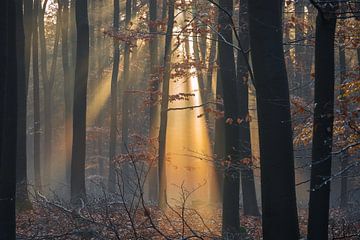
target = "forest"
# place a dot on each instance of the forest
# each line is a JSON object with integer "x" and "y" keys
{"x": 180, "y": 119}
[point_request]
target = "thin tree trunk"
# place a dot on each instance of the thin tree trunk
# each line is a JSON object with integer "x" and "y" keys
{"x": 231, "y": 187}
{"x": 154, "y": 98}
{"x": 126, "y": 102}
{"x": 164, "y": 106}
{"x": 126, "y": 85}
{"x": 67, "y": 84}
{"x": 114, "y": 90}
{"x": 198, "y": 62}
{"x": 36, "y": 96}
{"x": 247, "y": 174}
{"x": 79, "y": 112}
{"x": 28, "y": 21}
{"x": 275, "y": 132}
{"x": 322, "y": 128}
{"x": 212, "y": 61}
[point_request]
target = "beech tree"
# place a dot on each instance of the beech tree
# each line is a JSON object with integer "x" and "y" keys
{"x": 245, "y": 154}
{"x": 164, "y": 106}
{"x": 231, "y": 184}
{"x": 79, "y": 111}
{"x": 68, "y": 81}
{"x": 36, "y": 94}
{"x": 22, "y": 197}
{"x": 154, "y": 98}
{"x": 323, "y": 122}
{"x": 114, "y": 91}
{"x": 275, "y": 132}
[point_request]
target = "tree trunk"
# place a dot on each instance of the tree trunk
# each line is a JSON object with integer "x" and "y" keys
{"x": 126, "y": 103}
{"x": 231, "y": 187}
{"x": 247, "y": 174}
{"x": 154, "y": 98}
{"x": 126, "y": 87}
{"x": 322, "y": 128}
{"x": 212, "y": 61}
{"x": 197, "y": 57}
{"x": 79, "y": 112}
{"x": 47, "y": 92}
{"x": 275, "y": 133}
{"x": 36, "y": 96}
{"x": 8, "y": 116}
{"x": 68, "y": 85}
{"x": 28, "y": 21}
{"x": 113, "y": 120}
{"x": 164, "y": 106}
{"x": 22, "y": 197}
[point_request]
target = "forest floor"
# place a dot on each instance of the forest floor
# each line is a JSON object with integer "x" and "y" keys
{"x": 50, "y": 220}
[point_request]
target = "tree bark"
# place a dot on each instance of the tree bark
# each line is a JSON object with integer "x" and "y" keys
{"x": 231, "y": 186}
{"x": 275, "y": 132}
{"x": 164, "y": 106}
{"x": 28, "y": 21}
{"x": 126, "y": 103}
{"x": 322, "y": 128}
{"x": 47, "y": 92}
{"x": 68, "y": 84}
{"x": 114, "y": 90}
{"x": 36, "y": 96}
{"x": 22, "y": 197}
{"x": 79, "y": 112}
{"x": 154, "y": 98}
{"x": 247, "y": 174}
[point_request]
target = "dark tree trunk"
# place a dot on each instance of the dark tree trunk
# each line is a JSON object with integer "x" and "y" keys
{"x": 79, "y": 111}
{"x": 275, "y": 133}
{"x": 36, "y": 96}
{"x": 323, "y": 128}
{"x": 126, "y": 103}
{"x": 28, "y": 20}
{"x": 114, "y": 90}
{"x": 22, "y": 197}
{"x": 231, "y": 186}
{"x": 8, "y": 116}
{"x": 68, "y": 84}
{"x": 154, "y": 98}
{"x": 247, "y": 174}
{"x": 164, "y": 106}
